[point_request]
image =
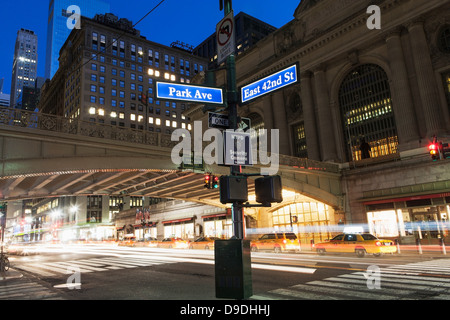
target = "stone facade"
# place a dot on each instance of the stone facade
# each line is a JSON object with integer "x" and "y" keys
{"x": 330, "y": 40}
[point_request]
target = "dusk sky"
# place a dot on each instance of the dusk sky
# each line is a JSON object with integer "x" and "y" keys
{"x": 189, "y": 21}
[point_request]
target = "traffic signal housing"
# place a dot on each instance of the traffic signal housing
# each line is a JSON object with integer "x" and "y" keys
{"x": 233, "y": 189}
{"x": 433, "y": 148}
{"x": 207, "y": 181}
{"x": 269, "y": 189}
{"x": 445, "y": 151}
{"x": 215, "y": 182}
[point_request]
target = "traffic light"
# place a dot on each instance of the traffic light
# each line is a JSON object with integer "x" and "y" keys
{"x": 144, "y": 99}
{"x": 433, "y": 148}
{"x": 215, "y": 182}
{"x": 207, "y": 181}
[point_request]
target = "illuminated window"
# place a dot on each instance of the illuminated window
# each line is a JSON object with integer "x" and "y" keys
{"x": 121, "y": 115}
{"x": 140, "y": 118}
{"x": 132, "y": 117}
{"x": 167, "y": 123}
{"x": 101, "y": 112}
{"x": 92, "y": 110}
{"x": 151, "y": 120}
{"x": 300, "y": 149}
{"x": 367, "y": 112}
{"x": 113, "y": 114}
{"x": 174, "y": 124}
{"x": 446, "y": 78}
{"x": 158, "y": 122}
{"x": 307, "y": 214}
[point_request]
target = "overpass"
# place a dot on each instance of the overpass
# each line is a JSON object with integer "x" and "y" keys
{"x": 44, "y": 155}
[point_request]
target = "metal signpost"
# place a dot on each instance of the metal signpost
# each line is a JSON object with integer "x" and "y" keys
{"x": 232, "y": 257}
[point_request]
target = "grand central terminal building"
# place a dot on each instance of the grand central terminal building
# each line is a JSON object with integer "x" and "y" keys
{"x": 389, "y": 87}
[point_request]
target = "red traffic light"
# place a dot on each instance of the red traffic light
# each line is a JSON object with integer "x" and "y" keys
{"x": 433, "y": 148}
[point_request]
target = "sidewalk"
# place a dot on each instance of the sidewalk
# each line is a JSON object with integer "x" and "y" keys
{"x": 10, "y": 274}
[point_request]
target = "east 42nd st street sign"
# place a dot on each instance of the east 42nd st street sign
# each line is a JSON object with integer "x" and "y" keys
{"x": 269, "y": 84}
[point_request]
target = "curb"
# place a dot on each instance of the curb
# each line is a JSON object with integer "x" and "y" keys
{"x": 10, "y": 274}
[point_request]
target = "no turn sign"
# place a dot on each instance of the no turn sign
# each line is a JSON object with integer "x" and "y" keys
{"x": 225, "y": 35}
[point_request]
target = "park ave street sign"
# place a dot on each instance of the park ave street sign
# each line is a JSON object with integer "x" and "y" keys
{"x": 189, "y": 93}
{"x": 269, "y": 84}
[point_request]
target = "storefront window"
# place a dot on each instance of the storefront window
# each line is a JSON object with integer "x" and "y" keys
{"x": 181, "y": 230}
{"x": 309, "y": 220}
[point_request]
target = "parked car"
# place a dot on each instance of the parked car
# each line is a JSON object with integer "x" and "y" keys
{"x": 173, "y": 242}
{"x": 360, "y": 244}
{"x": 203, "y": 243}
{"x": 277, "y": 242}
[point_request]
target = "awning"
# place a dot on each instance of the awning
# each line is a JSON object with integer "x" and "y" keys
{"x": 410, "y": 198}
{"x": 178, "y": 220}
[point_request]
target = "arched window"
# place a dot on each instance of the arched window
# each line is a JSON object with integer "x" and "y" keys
{"x": 367, "y": 113}
{"x": 444, "y": 39}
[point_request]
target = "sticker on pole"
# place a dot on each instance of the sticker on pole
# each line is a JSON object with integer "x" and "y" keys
{"x": 225, "y": 35}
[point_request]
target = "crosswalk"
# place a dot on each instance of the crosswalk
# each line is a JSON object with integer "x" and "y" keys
{"x": 54, "y": 269}
{"x": 24, "y": 289}
{"x": 414, "y": 281}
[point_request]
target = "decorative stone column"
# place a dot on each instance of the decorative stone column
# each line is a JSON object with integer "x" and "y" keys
{"x": 312, "y": 140}
{"x": 326, "y": 127}
{"x": 280, "y": 121}
{"x": 403, "y": 105}
{"x": 429, "y": 94}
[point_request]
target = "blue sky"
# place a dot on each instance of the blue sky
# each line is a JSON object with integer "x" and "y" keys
{"x": 189, "y": 21}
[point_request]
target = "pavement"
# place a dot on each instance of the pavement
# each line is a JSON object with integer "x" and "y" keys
{"x": 10, "y": 274}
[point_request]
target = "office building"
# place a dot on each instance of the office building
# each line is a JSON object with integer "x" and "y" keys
{"x": 249, "y": 31}
{"x": 4, "y": 100}
{"x": 105, "y": 70}
{"x": 57, "y": 30}
{"x": 24, "y": 71}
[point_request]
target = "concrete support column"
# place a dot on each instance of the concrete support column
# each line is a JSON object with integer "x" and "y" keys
{"x": 425, "y": 77}
{"x": 280, "y": 121}
{"x": 268, "y": 112}
{"x": 326, "y": 128}
{"x": 403, "y": 105}
{"x": 312, "y": 140}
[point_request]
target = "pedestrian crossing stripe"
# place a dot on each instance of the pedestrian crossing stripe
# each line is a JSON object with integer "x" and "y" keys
{"x": 26, "y": 290}
{"x": 409, "y": 282}
{"x": 52, "y": 269}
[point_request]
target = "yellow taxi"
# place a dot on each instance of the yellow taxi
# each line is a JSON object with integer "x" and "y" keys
{"x": 128, "y": 240}
{"x": 203, "y": 243}
{"x": 173, "y": 242}
{"x": 277, "y": 242}
{"x": 360, "y": 244}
